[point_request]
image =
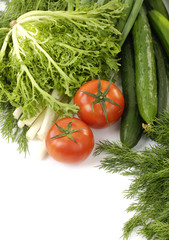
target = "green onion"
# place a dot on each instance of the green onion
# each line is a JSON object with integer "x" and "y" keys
{"x": 132, "y": 17}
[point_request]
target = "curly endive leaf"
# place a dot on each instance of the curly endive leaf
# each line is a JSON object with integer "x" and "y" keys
{"x": 46, "y": 50}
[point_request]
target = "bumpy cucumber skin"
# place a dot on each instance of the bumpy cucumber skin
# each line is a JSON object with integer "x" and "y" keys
{"x": 131, "y": 122}
{"x": 161, "y": 26}
{"x": 145, "y": 68}
{"x": 162, "y": 76}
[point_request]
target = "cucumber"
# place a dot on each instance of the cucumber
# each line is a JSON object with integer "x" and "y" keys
{"x": 131, "y": 121}
{"x": 157, "y": 5}
{"x": 162, "y": 76}
{"x": 126, "y": 12}
{"x": 145, "y": 68}
{"x": 160, "y": 25}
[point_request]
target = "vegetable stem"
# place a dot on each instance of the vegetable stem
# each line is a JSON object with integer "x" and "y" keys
{"x": 130, "y": 22}
{"x": 49, "y": 117}
{"x": 17, "y": 113}
{"x": 30, "y": 121}
{"x": 70, "y": 5}
{"x": 15, "y": 43}
{"x": 21, "y": 124}
{"x": 4, "y": 45}
{"x": 31, "y": 133}
{"x": 127, "y": 10}
{"x": 39, "y": 15}
{"x": 42, "y": 150}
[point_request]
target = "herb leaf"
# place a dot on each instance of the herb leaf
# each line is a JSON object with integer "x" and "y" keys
{"x": 149, "y": 186}
{"x": 10, "y": 130}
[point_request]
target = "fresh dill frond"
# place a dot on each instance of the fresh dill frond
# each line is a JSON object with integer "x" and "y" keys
{"x": 9, "y": 129}
{"x": 149, "y": 188}
{"x": 159, "y": 129}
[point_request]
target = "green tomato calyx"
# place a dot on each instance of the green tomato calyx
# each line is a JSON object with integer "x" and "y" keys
{"x": 101, "y": 97}
{"x": 66, "y": 131}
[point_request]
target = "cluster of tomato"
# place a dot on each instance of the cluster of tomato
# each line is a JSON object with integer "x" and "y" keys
{"x": 101, "y": 104}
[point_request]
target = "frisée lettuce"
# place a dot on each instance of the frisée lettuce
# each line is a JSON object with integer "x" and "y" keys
{"x": 46, "y": 50}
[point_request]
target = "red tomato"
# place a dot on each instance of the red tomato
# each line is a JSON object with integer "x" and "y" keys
{"x": 75, "y": 143}
{"x": 96, "y": 117}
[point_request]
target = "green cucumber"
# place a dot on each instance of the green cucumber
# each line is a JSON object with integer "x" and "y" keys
{"x": 145, "y": 68}
{"x": 131, "y": 121}
{"x": 161, "y": 26}
{"x": 162, "y": 76}
{"x": 157, "y": 5}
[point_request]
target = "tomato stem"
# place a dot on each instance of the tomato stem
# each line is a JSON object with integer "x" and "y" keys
{"x": 66, "y": 131}
{"x": 101, "y": 98}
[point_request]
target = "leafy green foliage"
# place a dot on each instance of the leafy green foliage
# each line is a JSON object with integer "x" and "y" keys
{"x": 16, "y": 8}
{"x": 158, "y": 130}
{"x": 62, "y": 50}
{"x": 149, "y": 187}
{"x": 9, "y": 129}
{"x": 48, "y": 50}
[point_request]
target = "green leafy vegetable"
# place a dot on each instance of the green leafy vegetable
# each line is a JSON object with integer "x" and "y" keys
{"x": 16, "y": 8}
{"x": 149, "y": 187}
{"x": 46, "y": 50}
{"x": 48, "y": 45}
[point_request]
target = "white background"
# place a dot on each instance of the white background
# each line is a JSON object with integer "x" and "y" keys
{"x": 48, "y": 200}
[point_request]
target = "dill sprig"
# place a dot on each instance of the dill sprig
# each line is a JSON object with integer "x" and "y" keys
{"x": 159, "y": 129}
{"x": 149, "y": 188}
{"x": 9, "y": 129}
